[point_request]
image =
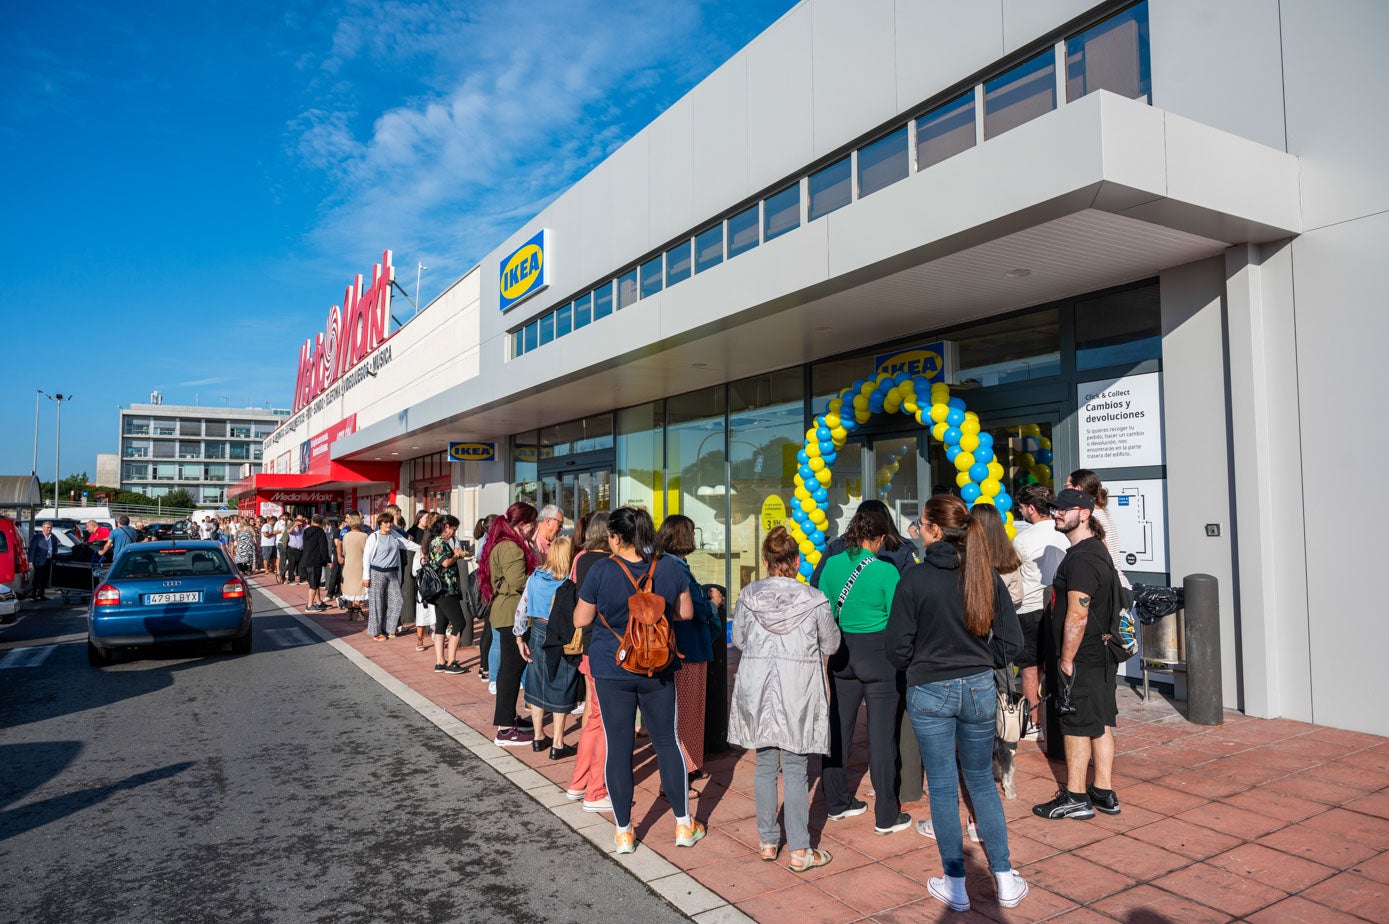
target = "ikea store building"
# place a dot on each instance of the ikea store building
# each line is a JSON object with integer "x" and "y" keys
{"x": 1140, "y": 238}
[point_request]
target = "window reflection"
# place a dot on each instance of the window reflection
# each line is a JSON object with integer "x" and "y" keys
{"x": 640, "y": 444}
{"x": 743, "y": 232}
{"x": 1020, "y": 95}
{"x": 696, "y": 481}
{"x": 678, "y": 263}
{"x": 652, "y": 276}
{"x": 1112, "y": 55}
{"x": 882, "y": 163}
{"x": 626, "y": 289}
{"x": 583, "y": 311}
{"x": 603, "y": 301}
{"x": 945, "y": 131}
{"x": 1118, "y": 329}
{"x": 709, "y": 248}
{"x": 831, "y": 188}
{"x": 781, "y": 212}
{"x": 1012, "y": 350}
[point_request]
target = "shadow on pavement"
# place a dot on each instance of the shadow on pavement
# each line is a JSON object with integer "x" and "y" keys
{"x": 17, "y": 821}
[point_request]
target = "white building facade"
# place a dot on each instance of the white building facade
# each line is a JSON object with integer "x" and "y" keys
{"x": 201, "y": 450}
{"x": 1135, "y": 238}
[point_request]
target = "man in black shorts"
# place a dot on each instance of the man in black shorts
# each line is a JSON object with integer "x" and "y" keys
{"x": 1084, "y": 692}
{"x": 1041, "y": 549}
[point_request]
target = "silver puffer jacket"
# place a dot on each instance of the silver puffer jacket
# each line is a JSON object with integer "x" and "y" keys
{"x": 784, "y": 630}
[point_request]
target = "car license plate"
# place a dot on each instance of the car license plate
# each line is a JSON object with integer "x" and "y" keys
{"x": 186, "y": 597}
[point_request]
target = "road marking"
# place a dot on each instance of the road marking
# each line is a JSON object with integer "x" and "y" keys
{"x": 26, "y": 657}
{"x": 289, "y": 638}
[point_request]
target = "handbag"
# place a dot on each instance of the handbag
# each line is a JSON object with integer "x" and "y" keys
{"x": 429, "y": 585}
{"x": 1011, "y": 718}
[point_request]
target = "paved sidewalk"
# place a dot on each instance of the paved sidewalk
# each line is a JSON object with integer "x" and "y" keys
{"x": 1261, "y": 820}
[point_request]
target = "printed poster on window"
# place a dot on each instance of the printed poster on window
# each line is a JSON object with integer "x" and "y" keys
{"x": 1138, "y": 509}
{"x": 1121, "y": 421}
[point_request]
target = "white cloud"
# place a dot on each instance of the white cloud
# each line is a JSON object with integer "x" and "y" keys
{"x": 509, "y": 104}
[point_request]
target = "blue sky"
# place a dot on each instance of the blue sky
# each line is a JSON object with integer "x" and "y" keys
{"x": 191, "y": 186}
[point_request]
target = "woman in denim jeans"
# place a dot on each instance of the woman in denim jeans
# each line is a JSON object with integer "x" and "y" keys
{"x": 951, "y": 622}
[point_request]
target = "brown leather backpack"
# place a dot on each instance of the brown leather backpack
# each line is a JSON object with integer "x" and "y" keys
{"x": 648, "y": 645}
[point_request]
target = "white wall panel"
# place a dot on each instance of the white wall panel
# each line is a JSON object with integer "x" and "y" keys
{"x": 855, "y": 71}
{"x": 721, "y": 138}
{"x": 631, "y": 223}
{"x": 940, "y": 42}
{"x": 1025, "y": 21}
{"x": 671, "y": 177}
{"x": 781, "y": 112}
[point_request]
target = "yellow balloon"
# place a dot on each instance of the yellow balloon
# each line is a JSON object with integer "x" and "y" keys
{"x": 995, "y": 471}
{"x": 1008, "y": 518}
{"x": 817, "y": 516}
{"x": 939, "y": 412}
{"x": 894, "y": 467}
{"x": 969, "y": 426}
{"x": 814, "y": 557}
{"x": 1043, "y": 443}
{"x": 812, "y": 449}
{"x": 1011, "y": 530}
{"x": 816, "y": 463}
{"x": 810, "y": 436}
{"x": 801, "y": 493}
{"x": 823, "y": 476}
{"x": 1042, "y": 473}
{"x": 990, "y": 487}
{"x": 839, "y": 435}
{"x": 920, "y": 418}
{"x": 1026, "y": 461}
{"x": 911, "y": 407}
{"x": 860, "y": 403}
{"x": 940, "y": 388}
{"x": 983, "y": 499}
{"x": 802, "y": 578}
{"x": 938, "y": 431}
{"x": 962, "y": 479}
{"x": 969, "y": 442}
{"x": 808, "y": 504}
{"x": 867, "y": 388}
{"x": 1030, "y": 430}
{"x": 834, "y": 405}
{"x": 863, "y": 416}
{"x": 798, "y": 480}
{"x": 831, "y": 420}
{"x": 806, "y": 546}
{"x": 964, "y": 460}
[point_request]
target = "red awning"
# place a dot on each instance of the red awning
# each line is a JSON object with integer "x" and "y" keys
{"x": 338, "y": 477}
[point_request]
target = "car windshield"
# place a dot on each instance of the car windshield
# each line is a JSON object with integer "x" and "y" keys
{"x": 157, "y": 563}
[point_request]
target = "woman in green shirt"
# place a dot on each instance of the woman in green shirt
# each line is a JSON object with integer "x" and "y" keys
{"x": 860, "y": 586}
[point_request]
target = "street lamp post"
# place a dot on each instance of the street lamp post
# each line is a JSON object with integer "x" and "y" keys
{"x": 38, "y": 392}
{"x": 57, "y": 444}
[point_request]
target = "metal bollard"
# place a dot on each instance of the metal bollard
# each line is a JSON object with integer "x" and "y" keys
{"x": 1205, "y": 696}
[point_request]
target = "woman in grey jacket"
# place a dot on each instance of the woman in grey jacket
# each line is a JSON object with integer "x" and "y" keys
{"x": 780, "y": 699}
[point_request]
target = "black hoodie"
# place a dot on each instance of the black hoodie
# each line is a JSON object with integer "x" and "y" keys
{"x": 926, "y": 634}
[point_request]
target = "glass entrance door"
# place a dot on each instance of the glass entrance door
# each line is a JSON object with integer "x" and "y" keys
{"x": 577, "y": 491}
{"x": 896, "y": 467}
{"x": 1023, "y": 446}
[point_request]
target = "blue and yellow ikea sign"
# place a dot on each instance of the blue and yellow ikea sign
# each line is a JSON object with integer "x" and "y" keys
{"x": 526, "y": 271}
{"x": 472, "y": 452}
{"x": 928, "y": 360}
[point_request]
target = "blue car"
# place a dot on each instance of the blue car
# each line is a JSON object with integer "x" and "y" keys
{"x": 169, "y": 592}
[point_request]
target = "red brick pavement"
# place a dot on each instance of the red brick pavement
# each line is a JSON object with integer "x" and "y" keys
{"x": 1259, "y": 819}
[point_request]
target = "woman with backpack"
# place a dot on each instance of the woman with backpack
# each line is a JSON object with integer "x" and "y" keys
{"x": 507, "y": 566}
{"x": 552, "y": 683}
{"x": 952, "y": 622}
{"x": 632, "y": 577}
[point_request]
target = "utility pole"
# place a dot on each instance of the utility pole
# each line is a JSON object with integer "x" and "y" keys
{"x": 57, "y": 446}
{"x": 419, "y": 271}
{"x": 37, "y": 393}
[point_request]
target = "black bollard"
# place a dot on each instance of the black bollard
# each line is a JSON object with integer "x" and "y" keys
{"x": 1205, "y": 696}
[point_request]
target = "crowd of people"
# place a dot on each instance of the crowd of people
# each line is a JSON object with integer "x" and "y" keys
{"x": 925, "y": 629}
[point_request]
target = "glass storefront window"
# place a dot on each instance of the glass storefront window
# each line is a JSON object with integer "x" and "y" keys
{"x": 743, "y": 231}
{"x": 525, "y": 450}
{"x": 831, "y": 188}
{"x": 895, "y": 478}
{"x": 1112, "y": 55}
{"x": 827, "y": 379}
{"x": 640, "y": 444}
{"x": 603, "y": 301}
{"x": 945, "y": 131}
{"x": 564, "y": 320}
{"x": 584, "y": 435}
{"x": 532, "y": 336}
{"x": 1020, "y": 95}
{"x": 583, "y": 311}
{"x": 766, "y": 426}
{"x": 518, "y": 343}
{"x": 678, "y": 263}
{"x": 1118, "y": 329}
{"x": 653, "y": 276}
{"x": 781, "y": 212}
{"x": 709, "y": 248}
{"x": 1012, "y": 350}
{"x": 882, "y": 163}
{"x": 696, "y": 483}
{"x": 547, "y": 329}
{"x": 627, "y": 289}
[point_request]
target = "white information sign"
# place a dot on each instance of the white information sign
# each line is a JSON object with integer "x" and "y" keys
{"x": 1139, "y": 511}
{"x": 1121, "y": 421}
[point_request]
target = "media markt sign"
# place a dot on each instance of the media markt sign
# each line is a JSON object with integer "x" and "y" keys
{"x": 525, "y": 271}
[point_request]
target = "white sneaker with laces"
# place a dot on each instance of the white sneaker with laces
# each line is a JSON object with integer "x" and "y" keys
{"x": 577, "y": 710}
{"x": 492, "y": 688}
{"x": 950, "y": 891}
{"x": 1012, "y": 888}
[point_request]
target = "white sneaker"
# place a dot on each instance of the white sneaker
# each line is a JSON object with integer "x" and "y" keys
{"x": 492, "y": 688}
{"x": 1012, "y": 888}
{"x": 950, "y": 891}
{"x": 604, "y": 804}
{"x": 577, "y": 710}
{"x": 926, "y": 829}
{"x": 574, "y": 794}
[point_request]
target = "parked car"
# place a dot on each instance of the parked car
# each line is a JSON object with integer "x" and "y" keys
{"x": 74, "y": 563}
{"x": 15, "y": 572}
{"x": 169, "y": 592}
{"x": 9, "y": 604}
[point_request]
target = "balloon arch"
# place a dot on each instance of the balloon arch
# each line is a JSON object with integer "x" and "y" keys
{"x": 979, "y": 473}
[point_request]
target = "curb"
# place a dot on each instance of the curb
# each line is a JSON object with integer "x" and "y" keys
{"x": 660, "y": 875}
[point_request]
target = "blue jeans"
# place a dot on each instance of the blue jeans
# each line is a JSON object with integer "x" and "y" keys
{"x": 494, "y": 654}
{"x": 953, "y": 717}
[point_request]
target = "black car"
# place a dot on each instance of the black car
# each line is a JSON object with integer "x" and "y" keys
{"x": 158, "y": 531}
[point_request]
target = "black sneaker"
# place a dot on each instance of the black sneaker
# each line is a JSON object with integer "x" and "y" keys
{"x": 440, "y": 668}
{"x": 541, "y": 744}
{"x": 902, "y": 823}
{"x": 1108, "y": 804}
{"x": 1065, "y": 805}
{"x": 856, "y": 807}
{"x": 453, "y": 667}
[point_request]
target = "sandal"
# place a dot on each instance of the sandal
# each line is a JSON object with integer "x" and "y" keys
{"x": 769, "y": 851}
{"x": 809, "y": 859}
{"x": 421, "y": 647}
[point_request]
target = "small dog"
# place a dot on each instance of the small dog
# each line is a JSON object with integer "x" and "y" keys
{"x": 1004, "y": 752}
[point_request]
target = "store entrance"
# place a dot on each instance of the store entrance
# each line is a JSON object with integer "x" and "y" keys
{"x": 1023, "y": 445}
{"x": 579, "y": 484}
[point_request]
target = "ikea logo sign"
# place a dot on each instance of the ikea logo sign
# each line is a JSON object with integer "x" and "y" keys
{"x": 472, "y": 452}
{"x": 932, "y": 361}
{"x": 526, "y": 271}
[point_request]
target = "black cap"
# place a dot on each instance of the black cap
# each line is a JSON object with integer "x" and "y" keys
{"x": 1071, "y": 499}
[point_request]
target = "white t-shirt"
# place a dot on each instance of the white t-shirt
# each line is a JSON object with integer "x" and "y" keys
{"x": 205, "y": 530}
{"x": 267, "y": 534}
{"x": 1041, "y": 549}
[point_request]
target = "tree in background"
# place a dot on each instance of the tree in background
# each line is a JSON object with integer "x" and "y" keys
{"x": 178, "y": 499}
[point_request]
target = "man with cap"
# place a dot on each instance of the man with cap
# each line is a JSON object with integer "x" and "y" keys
{"x": 1084, "y": 692}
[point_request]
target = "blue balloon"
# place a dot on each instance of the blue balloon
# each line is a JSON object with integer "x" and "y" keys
{"x": 978, "y": 472}
{"x": 818, "y": 538}
{"x": 802, "y": 458}
{"x": 900, "y": 377}
{"x": 983, "y": 454}
{"x": 1043, "y": 456}
{"x": 823, "y": 434}
{"x": 923, "y": 388}
{"x": 957, "y": 403}
{"x": 952, "y": 436}
{"x": 969, "y": 493}
{"x": 875, "y": 403}
{"x": 850, "y": 424}
{"x": 799, "y": 515}
{"x": 951, "y": 451}
{"x": 826, "y": 448}
{"x": 1003, "y": 502}
{"x": 807, "y": 568}
{"x": 955, "y": 417}
{"x": 986, "y": 440}
{"x": 821, "y": 496}
{"x": 829, "y": 457}
{"x": 807, "y": 473}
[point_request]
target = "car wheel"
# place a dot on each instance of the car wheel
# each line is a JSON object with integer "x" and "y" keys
{"x": 97, "y": 657}
{"x": 242, "y": 643}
